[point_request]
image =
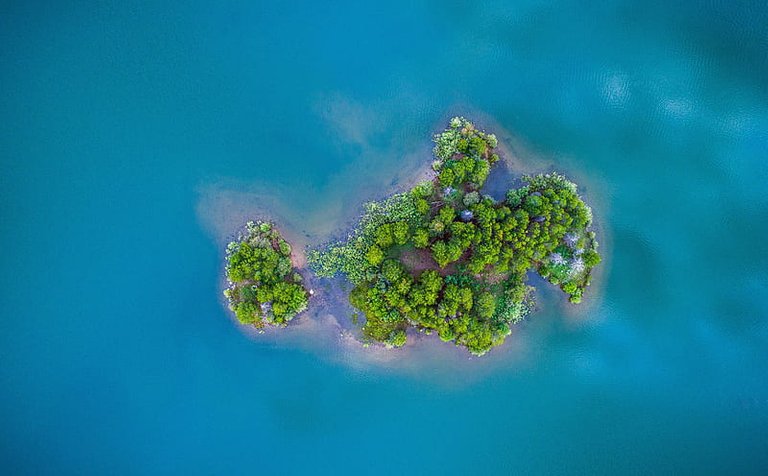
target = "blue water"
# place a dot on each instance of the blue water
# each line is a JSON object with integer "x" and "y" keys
{"x": 119, "y": 119}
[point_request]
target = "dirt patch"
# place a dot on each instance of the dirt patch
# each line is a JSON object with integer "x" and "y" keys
{"x": 418, "y": 260}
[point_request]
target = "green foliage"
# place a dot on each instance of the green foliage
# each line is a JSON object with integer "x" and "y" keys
{"x": 374, "y": 256}
{"x": 247, "y": 313}
{"x": 462, "y": 137}
{"x": 397, "y": 338}
{"x": 463, "y": 152}
{"x": 472, "y": 198}
{"x": 591, "y": 258}
{"x": 446, "y": 215}
{"x": 421, "y": 205}
{"x": 474, "y": 289}
{"x": 423, "y": 190}
{"x": 350, "y": 257}
{"x": 400, "y": 233}
{"x": 440, "y": 253}
{"x": 486, "y": 305}
{"x": 261, "y": 284}
{"x": 421, "y": 238}
{"x": 447, "y": 177}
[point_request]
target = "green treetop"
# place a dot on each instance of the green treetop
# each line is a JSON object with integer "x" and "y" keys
{"x": 442, "y": 258}
{"x": 263, "y": 287}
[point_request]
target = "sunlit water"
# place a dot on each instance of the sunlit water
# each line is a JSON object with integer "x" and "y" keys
{"x": 135, "y": 139}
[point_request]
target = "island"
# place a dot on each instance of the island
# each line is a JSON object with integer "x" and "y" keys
{"x": 263, "y": 287}
{"x": 440, "y": 258}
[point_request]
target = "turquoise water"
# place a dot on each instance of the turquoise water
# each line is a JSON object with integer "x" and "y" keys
{"x": 128, "y": 127}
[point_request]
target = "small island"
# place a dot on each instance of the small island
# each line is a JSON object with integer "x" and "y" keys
{"x": 441, "y": 258}
{"x": 263, "y": 285}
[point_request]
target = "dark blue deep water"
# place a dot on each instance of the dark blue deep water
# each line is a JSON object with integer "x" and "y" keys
{"x": 128, "y": 130}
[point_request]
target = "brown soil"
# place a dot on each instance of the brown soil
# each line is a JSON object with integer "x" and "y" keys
{"x": 417, "y": 260}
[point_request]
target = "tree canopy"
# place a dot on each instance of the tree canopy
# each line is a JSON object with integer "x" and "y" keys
{"x": 473, "y": 252}
{"x": 263, "y": 286}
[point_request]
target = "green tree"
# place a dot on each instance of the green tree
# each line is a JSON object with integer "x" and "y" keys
{"x": 541, "y": 226}
{"x": 421, "y": 238}
{"x": 374, "y": 255}
{"x": 440, "y": 253}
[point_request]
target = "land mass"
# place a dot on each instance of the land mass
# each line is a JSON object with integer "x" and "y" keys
{"x": 442, "y": 257}
{"x": 263, "y": 285}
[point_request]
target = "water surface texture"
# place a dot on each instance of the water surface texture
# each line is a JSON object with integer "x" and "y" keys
{"x": 128, "y": 130}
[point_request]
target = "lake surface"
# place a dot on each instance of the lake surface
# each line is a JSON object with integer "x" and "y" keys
{"x": 136, "y": 137}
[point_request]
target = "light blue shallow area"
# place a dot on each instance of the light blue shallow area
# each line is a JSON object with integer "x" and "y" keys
{"x": 116, "y": 356}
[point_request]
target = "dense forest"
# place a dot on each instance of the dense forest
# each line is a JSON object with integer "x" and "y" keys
{"x": 445, "y": 258}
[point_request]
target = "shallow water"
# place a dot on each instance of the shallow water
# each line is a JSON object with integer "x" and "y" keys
{"x": 135, "y": 139}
